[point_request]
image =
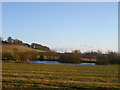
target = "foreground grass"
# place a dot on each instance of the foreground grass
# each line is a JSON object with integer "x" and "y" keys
{"x": 29, "y": 75}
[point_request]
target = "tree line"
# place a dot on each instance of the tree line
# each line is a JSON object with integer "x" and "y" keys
{"x": 73, "y": 57}
{"x": 101, "y": 59}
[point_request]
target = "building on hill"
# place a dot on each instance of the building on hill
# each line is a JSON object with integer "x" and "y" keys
{"x": 18, "y": 41}
{"x": 33, "y": 45}
{"x": 26, "y": 44}
{"x": 40, "y": 47}
{"x": 10, "y": 40}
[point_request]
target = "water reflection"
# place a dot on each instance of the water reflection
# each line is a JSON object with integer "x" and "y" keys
{"x": 56, "y": 62}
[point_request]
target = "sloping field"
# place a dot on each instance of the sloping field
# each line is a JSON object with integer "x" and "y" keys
{"x": 29, "y": 75}
{"x": 6, "y": 48}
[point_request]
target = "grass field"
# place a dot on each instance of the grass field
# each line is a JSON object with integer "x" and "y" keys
{"x": 29, "y": 75}
{"x": 9, "y": 48}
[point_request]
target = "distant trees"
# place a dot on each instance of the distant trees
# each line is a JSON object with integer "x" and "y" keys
{"x": 90, "y": 55}
{"x": 112, "y": 57}
{"x": 102, "y": 59}
{"x": 109, "y": 58}
{"x": 74, "y": 57}
{"x": 118, "y": 58}
{"x": 52, "y": 55}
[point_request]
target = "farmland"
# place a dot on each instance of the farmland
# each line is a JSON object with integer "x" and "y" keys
{"x": 30, "y": 75}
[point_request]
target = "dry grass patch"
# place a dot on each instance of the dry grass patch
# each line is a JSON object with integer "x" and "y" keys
{"x": 20, "y": 48}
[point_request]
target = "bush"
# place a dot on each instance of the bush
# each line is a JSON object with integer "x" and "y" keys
{"x": 118, "y": 58}
{"x": 102, "y": 60}
{"x": 110, "y": 58}
{"x": 74, "y": 57}
{"x": 113, "y": 57}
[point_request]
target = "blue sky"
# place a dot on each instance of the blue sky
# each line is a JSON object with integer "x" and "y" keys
{"x": 63, "y": 26}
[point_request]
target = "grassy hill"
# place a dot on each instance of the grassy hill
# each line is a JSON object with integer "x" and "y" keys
{"x": 19, "y": 52}
{"x": 9, "y": 48}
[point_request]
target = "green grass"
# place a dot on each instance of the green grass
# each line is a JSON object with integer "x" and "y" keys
{"x": 29, "y": 75}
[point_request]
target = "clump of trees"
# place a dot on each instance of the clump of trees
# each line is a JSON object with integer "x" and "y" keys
{"x": 109, "y": 58}
{"x": 101, "y": 59}
{"x": 74, "y": 57}
{"x": 52, "y": 55}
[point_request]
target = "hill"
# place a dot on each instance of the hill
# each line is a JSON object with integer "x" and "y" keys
{"x": 18, "y": 52}
{"x": 10, "y": 48}
{"x": 37, "y": 46}
{"x": 12, "y": 51}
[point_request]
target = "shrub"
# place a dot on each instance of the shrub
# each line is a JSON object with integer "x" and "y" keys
{"x": 74, "y": 57}
{"x": 102, "y": 60}
{"x": 112, "y": 57}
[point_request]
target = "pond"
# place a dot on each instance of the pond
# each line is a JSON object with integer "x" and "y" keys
{"x": 56, "y": 62}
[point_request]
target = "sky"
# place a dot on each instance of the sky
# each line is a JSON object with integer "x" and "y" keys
{"x": 63, "y": 26}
